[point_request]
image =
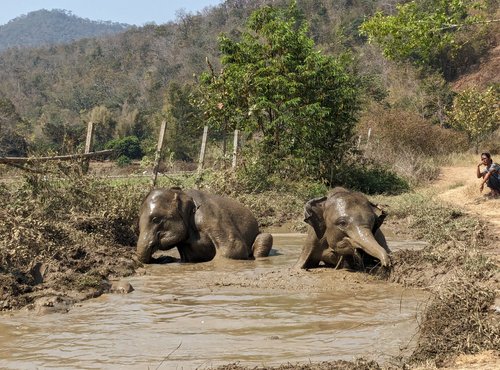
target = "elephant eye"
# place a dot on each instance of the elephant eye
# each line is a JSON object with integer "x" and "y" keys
{"x": 342, "y": 222}
{"x": 157, "y": 220}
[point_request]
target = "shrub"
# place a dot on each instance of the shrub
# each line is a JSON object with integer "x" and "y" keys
{"x": 406, "y": 143}
{"x": 123, "y": 161}
{"x": 50, "y": 210}
{"x": 402, "y": 130}
{"x": 128, "y": 146}
{"x": 370, "y": 179}
{"x": 476, "y": 113}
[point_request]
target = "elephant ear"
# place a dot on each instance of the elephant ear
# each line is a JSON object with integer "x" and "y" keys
{"x": 313, "y": 215}
{"x": 186, "y": 205}
{"x": 381, "y": 215}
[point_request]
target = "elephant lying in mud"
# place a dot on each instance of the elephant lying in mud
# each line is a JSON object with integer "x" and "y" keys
{"x": 344, "y": 231}
{"x": 200, "y": 225}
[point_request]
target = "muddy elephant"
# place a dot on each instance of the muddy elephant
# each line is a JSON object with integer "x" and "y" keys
{"x": 201, "y": 226}
{"x": 344, "y": 231}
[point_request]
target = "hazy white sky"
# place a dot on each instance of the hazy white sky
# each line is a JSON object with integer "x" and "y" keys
{"x": 136, "y": 12}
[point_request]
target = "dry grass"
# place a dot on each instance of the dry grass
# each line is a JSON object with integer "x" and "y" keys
{"x": 359, "y": 364}
{"x": 459, "y": 318}
{"x": 61, "y": 231}
{"x": 410, "y": 145}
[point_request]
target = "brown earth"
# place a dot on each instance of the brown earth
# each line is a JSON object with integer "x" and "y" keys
{"x": 459, "y": 186}
{"x": 483, "y": 74}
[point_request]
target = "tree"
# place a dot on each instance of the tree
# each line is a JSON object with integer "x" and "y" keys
{"x": 476, "y": 113}
{"x": 276, "y": 86}
{"x": 12, "y": 142}
{"x": 183, "y": 121}
{"x": 104, "y": 125}
{"x": 422, "y": 32}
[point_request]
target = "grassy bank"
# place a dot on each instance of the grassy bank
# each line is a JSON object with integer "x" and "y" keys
{"x": 459, "y": 318}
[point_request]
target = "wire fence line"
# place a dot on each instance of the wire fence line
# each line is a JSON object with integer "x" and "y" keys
{"x": 28, "y": 163}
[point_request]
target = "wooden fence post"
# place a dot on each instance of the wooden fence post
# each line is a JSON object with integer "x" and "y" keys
{"x": 90, "y": 134}
{"x": 158, "y": 152}
{"x": 203, "y": 148}
{"x": 85, "y": 163}
{"x": 235, "y": 148}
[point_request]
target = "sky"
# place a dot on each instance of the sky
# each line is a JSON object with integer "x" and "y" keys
{"x": 136, "y": 12}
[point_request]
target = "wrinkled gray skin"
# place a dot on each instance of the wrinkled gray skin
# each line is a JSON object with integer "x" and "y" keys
{"x": 200, "y": 225}
{"x": 344, "y": 231}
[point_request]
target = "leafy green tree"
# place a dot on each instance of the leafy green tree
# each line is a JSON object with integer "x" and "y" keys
{"x": 476, "y": 113}
{"x": 422, "y": 32}
{"x": 301, "y": 103}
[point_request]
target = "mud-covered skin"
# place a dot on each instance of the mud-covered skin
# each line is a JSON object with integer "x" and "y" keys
{"x": 201, "y": 226}
{"x": 344, "y": 227}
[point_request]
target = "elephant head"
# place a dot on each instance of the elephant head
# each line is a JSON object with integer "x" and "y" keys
{"x": 346, "y": 221}
{"x": 164, "y": 219}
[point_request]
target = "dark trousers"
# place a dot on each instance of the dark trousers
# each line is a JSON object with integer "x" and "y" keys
{"x": 493, "y": 183}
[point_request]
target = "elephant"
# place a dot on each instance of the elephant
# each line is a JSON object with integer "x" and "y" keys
{"x": 344, "y": 231}
{"x": 201, "y": 225}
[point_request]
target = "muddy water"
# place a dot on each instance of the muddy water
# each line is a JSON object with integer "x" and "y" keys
{"x": 196, "y": 316}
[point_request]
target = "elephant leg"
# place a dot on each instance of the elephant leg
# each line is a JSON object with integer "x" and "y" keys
{"x": 262, "y": 245}
{"x": 380, "y": 238}
{"x": 358, "y": 260}
{"x": 331, "y": 259}
{"x": 312, "y": 252}
{"x": 347, "y": 255}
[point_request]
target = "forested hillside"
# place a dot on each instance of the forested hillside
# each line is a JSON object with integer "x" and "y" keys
{"x": 129, "y": 82}
{"x": 47, "y": 27}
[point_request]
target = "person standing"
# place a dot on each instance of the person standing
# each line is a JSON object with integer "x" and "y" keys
{"x": 490, "y": 174}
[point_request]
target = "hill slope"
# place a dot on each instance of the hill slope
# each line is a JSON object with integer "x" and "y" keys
{"x": 48, "y": 27}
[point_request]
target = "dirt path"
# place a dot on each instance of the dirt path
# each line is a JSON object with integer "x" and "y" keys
{"x": 459, "y": 186}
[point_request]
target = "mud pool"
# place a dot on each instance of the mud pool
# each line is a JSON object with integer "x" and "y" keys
{"x": 195, "y": 316}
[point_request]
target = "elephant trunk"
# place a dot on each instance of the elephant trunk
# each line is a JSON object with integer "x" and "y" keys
{"x": 363, "y": 238}
{"x": 145, "y": 248}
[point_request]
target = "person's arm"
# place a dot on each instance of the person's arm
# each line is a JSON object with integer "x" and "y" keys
{"x": 479, "y": 173}
{"x": 485, "y": 180}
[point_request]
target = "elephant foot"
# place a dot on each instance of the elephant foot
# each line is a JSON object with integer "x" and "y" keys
{"x": 262, "y": 245}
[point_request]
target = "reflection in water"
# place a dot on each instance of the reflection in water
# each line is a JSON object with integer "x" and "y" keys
{"x": 177, "y": 317}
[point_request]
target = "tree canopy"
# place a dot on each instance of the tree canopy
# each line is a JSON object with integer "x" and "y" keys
{"x": 276, "y": 86}
{"x": 422, "y": 32}
{"x": 476, "y": 113}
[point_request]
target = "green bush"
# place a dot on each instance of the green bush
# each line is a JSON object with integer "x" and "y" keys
{"x": 123, "y": 161}
{"x": 370, "y": 179}
{"x": 128, "y": 146}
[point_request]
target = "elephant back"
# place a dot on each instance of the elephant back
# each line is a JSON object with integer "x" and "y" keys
{"x": 224, "y": 212}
